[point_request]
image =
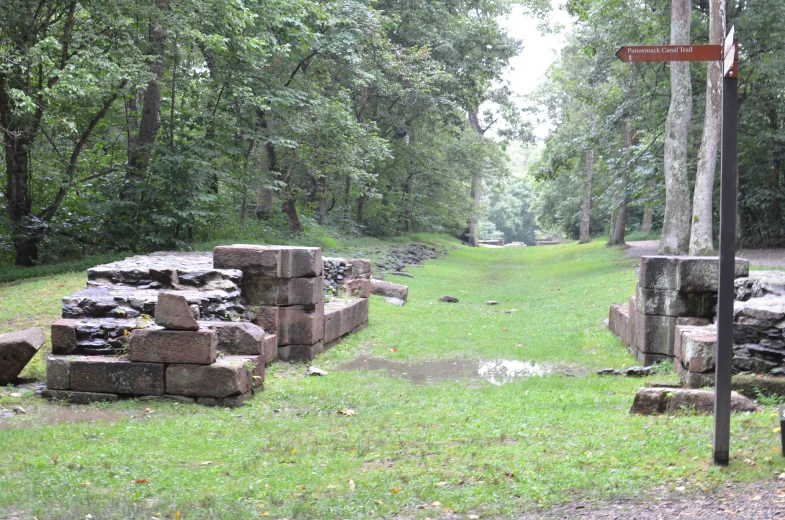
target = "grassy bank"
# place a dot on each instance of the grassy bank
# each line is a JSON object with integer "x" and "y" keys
{"x": 415, "y": 449}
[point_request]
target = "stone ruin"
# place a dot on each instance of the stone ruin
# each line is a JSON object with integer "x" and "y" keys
{"x": 201, "y": 327}
{"x": 672, "y": 318}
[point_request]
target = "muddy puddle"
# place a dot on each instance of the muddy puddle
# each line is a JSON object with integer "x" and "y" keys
{"x": 496, "y": 372}
{"x": 60, "y": 415}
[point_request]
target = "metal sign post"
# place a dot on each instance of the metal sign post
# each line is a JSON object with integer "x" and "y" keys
{"x": 728, "y": 54}
{"x": 726, "y": 296}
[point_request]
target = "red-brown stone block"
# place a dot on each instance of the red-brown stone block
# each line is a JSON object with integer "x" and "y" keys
{"x": 64, "y": 336}
{"x": 228, "y": 376}
{"x": 105, "y": 374}
{"x": 173, "y": 346}
{"x": 300, "y": 325}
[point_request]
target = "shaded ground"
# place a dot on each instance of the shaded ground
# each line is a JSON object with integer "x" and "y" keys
{"x": 760, "y": 500}
{"x": 761, "y": 257}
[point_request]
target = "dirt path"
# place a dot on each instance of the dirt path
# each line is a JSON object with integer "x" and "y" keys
{"x": 759, "y": 257}
{"x": 753, "y": 501}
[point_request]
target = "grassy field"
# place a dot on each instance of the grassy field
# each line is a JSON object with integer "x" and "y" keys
{"x": 409, "y": 449}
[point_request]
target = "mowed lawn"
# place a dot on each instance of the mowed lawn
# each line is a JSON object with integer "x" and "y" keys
{"x": 400, "y": 448}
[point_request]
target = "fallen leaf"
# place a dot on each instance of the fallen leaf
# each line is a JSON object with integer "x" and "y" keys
{"x": 395, "y": 490}
{"x": 393, "y": 350}
{"x": 346, "y": 411}
{"x": 351, "y": 484}
{"x": 776, "y": 430}
{"x": 206, "y": 463}
{"x": 379, "y": 502}
{"x": 177, "y": 515}
{"x": 85, "y": 483}
{"x": 141, "y": 481}
{"x": 473, "y": 517}
{"x": 755, "y": 498}
{"x": 294, "y": 451}
{"x": 301, "y": 486}
{"x": 436, "y": 504}
{"x": 440, "y": 484}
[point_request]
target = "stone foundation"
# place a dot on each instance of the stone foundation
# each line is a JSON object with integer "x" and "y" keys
{"x": 254, "y": 304}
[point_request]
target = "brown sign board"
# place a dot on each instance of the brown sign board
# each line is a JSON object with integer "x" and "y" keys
{"x": 649, "y": 53}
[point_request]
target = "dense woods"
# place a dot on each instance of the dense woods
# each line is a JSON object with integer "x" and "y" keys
{"x": 149, "y": 125}
{"x": 627, "y": 133}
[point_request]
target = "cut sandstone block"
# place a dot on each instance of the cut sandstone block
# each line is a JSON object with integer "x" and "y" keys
{"x": 270, "y": 348}
{"x": 300, "y": 325}
{"x": 355, "y": 315}
{"x": 304, "y": 352}
{"x": 172, "y": 312}
{"x": 300, "y": 262}
{"x": 684, "y": 273}
{"x": 16, "y": 350}
{"x": 650, "y": 401}
{"x": 266, "y": 317}
{"x": 72, "y": 397}
{"x": 170, "y": 346}
{"x": 58, "y": 372}
{"x": 111, "y": 375}
{"x": 226, "y": 377}
{"x": 64, "y": 336}
{"x": 237, "y": 337}
{"x": 358, "y": 288}
{"x": 699, "y": 351}
{"x": 664, "y": 302}
{"x": 361, "y": 268}
{"x": 265, "y": 290}
{"x": 333, "y": 317}
{"x": 388, "y": 289}
{"x": 256, "y": 259}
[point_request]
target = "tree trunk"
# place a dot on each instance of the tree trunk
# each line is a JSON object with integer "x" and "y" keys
{"x": 476, "y": 189}
{"x": 648, "y": 213}
{"x": 585, "y": 229}
{"x": 676, "y": 225}
{"x": 290, "y": 208}
{"x": 24, "y": 233}
{"x": 360, "y": 207}
{"x": 322, "y": 200}
{"x": 701, "y": 237}
{"x": 619, "y": 226}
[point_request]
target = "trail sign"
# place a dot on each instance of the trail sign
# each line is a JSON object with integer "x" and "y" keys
{"x": 648, "y": 53}
{"x": 728, "y": 55}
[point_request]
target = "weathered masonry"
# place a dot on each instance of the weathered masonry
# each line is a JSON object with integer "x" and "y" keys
{"x": 673, "y": 317}
{"x": 201, "y": 327}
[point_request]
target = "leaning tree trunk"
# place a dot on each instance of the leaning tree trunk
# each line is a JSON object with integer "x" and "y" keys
{"x": 676, "y": 225}
{"x": 702, "y": 215}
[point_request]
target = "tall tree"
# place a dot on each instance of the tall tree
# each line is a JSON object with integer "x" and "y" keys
{"x": 701, "y": 242}
{"x": 676, "y": 226}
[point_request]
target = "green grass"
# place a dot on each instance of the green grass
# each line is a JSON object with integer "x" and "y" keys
{"x": 473, "y": 447}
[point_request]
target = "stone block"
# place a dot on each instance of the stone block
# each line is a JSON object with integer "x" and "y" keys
{"x": 701, "y": 273}
{"x": 300, "y": 325}
{"x": 769, "y": 308}
{"x": 172, "y": 312}
{"x": 658, "y": 272}
{"x": 237, "y": 337}
{"x": 361, "y": 268}
{"x": 226, "y": 377}
{"x": 699, "y": 351}
{"x": 680, "y": 334}
{"x": 620, "y": 324}
{"x": 73, "y": 397}
{"x": 255, "y": 365}
{"x": 300, "y": 262}
{"x": 703, "y": 401}
{"x": 111, "y": 375}
{"x": 265, "y": 290}
{"x": 283, "y": 353}
{"x": 389, "y": 289}
{"x": 355, "y": 315}
{"x": 305, "y": 352}
{"x": 358, "y": 288}
{"x": 648, "y": 401}
{"x": 171, "y": 346}
{"x": 225, "y": 402}
{"x": 266, "y": 317}
{"x": 654, "y": 334}
{"x": 647, "y": 359}
{"x": 64, "y": 336}
{"x": 16, "y": 350}
{"x": 256, "y": 259}
{"x": 270, "y": 348}
{"x": 58, "y": 372}
{"x": 664, "y": 302}
{"x": 333, "y": 321}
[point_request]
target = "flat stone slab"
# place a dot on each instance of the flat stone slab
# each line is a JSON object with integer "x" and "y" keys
{"x": 165, "y": 270}
{"x": 769, "y": 308}
{"x": 171, "y": 346}
{"x": 684, "y": 273}
{"x": 16, "y": 351}
{"x": 652, "y": 401}
{"x": 73, "y": 397}
{"x": 173, "y": 313}
{"x": 249, "y": 258}
{"x": 228, "y": 376}
{"x": 110, "y": 375}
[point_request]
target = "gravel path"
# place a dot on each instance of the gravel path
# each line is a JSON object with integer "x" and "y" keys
{"x": 752, "y": 501}
{"x": 759, "y": 257}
